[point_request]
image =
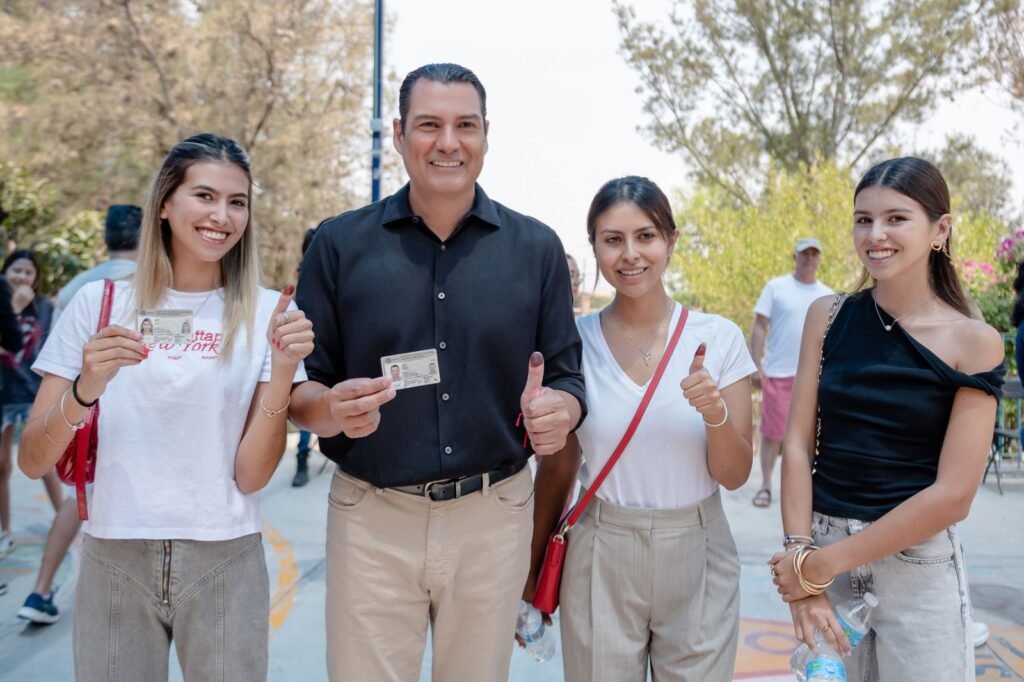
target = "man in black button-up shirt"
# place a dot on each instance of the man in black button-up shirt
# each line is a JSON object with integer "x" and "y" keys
{"x": 436, "y": 266}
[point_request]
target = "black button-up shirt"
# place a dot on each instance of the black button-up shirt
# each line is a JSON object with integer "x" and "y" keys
{"x": 376, "y": 282}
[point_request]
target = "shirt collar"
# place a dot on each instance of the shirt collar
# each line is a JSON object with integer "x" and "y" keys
{"x": 397, "y": 208}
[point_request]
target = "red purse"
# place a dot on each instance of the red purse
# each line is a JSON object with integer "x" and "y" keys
{"x": 77, "y": 466}
{"x": 549, "y": 581}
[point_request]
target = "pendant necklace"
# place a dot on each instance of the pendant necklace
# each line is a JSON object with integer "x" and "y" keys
{"x": 648, "y": 354}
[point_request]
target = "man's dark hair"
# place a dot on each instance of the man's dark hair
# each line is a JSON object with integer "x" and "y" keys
{"x": 121, "y": 229}
{"x": 444, "y": 74}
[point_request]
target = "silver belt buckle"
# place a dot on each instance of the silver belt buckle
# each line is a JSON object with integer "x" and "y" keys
{"x": 426, "y": 489}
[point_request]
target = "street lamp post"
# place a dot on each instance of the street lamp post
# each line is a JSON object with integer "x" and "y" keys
{"x": 375, "y": 123}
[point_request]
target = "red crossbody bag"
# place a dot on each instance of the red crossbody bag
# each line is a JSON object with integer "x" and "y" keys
{"x": 77, "y": 466}
{"x": 549, "y": 581}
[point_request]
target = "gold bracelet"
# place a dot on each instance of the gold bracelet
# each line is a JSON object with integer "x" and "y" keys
{"x": 46, "y": 428}
{"x": 798, "y": 564}
{"x": 273, "y": 413}
{"x": 80, "y": 424}
{"x": 725, "y": 406}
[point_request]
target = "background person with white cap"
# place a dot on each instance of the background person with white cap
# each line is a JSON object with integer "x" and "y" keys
{"x": 779, "y": 319}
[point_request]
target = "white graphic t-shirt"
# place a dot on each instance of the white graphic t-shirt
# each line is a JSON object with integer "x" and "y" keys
{"x": 170, "y": 426}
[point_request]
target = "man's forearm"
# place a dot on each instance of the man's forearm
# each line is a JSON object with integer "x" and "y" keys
{"x": 310, "y": 409}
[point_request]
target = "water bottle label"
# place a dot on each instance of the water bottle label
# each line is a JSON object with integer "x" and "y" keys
{"x": 535, "y": 637}
{"x": 852, "y": 634}
{"x": 826, "y": 668}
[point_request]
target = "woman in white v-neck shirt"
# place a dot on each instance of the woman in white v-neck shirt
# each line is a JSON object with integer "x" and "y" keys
{"x": 651, "y": 579}
{"x": 190, "y": 428}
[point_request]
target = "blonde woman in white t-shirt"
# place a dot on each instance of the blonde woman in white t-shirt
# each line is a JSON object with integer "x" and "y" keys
{"x": 188, "y": 432}
{"x": 651, "y": 579}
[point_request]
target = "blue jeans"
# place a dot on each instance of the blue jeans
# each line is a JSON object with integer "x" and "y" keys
{"x": 921, "y": 628}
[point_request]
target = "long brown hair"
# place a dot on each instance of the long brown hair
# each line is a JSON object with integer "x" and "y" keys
{"x": 239, "y": 268}
{"x": 921, "y": 181}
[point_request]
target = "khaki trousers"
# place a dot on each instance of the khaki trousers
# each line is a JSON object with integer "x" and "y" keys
{"x": 651, "y": 589}
{"x": 397, "y": 563}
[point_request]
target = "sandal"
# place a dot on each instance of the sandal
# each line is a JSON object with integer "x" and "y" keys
{"x": 763, "y": 498}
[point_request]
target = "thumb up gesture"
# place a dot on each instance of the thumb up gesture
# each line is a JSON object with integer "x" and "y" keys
{"x": 545, "y": 414}
{"x": 700, "y": 390}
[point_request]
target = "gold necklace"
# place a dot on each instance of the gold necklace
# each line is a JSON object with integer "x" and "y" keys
{"x": 649, "y": 353}
{"x": 888, "y": 327}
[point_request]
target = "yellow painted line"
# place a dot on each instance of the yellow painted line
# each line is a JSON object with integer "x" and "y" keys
{"x": 287, "y": 576}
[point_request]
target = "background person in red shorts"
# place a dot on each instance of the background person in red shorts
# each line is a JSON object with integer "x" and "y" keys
{"x": 779, "y": 318}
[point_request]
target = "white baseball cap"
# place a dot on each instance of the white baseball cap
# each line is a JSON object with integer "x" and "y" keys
{"x": 807, "y": 243}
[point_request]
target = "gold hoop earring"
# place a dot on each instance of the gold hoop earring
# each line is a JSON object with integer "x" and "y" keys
{"x": 936, "y": 245}
{"x": 941, "y": 247}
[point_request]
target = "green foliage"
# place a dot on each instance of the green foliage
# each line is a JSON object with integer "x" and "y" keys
{"x": 65, "y": 244}
{"x": 740, "y": 87}
{"x": 727, "y": 251}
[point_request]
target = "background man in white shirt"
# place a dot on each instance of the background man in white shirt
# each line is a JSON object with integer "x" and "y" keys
{"x": 779, "y": 318}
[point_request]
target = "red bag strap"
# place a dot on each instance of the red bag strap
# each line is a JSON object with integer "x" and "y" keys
{"x": 83, "y": 437}
{"x": 106, "y": 303}
{"x": 577, "y": 511}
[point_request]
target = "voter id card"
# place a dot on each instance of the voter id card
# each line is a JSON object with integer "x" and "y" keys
{"x": 164, "y": 326}
{"x": 408, "y": 370}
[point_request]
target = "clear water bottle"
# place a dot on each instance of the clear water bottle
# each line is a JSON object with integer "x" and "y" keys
{"x": 539, "y": 640}
{"x": 823, "y": 663}
{"x": 853, "y": 616}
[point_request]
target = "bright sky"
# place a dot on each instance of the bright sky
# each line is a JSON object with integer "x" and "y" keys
{"x": 563, "y": 105}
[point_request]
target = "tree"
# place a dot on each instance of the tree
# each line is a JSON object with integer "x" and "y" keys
{"x": 742, "y": 87}
{"x": 726, "y": 251}
{"x": 93, "y": 93}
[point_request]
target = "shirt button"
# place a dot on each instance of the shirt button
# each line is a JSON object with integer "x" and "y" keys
{"x": 443, "y": 247}
{"x": 448, "y": 450}
{"x": 416, "y": 219}
{"x": 444, "y": 397}
{"x": 442, "y": 345}
{"x": 441, "y": 295}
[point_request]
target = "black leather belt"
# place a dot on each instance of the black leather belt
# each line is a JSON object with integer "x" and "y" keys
{"x": 453, "y": 488}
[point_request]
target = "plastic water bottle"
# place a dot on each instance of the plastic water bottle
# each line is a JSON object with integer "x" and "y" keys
{"x": 540, "y": 641}
{"x": 853, "y": 616}
{"x": 824, "y": 664}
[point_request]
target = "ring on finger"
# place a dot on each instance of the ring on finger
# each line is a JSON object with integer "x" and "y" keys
{"x": 824, "y": 629}
{"x": 772, "y": 570}
{"x": 287, "y": 318}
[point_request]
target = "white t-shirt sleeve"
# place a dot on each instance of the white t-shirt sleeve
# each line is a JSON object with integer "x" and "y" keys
{"x": 736, "y": 362}
{"x": 62, "y": 353}
{"x": 764, "y": 302}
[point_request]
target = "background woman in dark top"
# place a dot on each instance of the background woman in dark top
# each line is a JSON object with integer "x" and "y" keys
{"x": 907, "y": 397}
{"x": 33, "y": 313}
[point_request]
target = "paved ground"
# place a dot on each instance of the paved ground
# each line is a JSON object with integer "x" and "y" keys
{"x": 294, "y": 527}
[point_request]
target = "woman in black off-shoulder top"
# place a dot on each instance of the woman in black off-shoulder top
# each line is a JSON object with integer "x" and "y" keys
{"x": 884, "y": 452}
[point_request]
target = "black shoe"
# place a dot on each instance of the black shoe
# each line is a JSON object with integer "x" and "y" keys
{"x": 301, "y": 470}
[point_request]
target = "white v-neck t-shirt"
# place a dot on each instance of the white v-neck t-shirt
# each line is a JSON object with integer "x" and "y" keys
{"x": 665, "y": 465}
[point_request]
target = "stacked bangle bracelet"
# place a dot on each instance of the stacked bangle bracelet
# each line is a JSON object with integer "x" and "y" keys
{"x": 799, "y": 557}
{"x": 788, "y": 540}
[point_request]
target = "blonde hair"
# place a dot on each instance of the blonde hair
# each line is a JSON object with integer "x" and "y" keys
{"x": 239, "y": 268}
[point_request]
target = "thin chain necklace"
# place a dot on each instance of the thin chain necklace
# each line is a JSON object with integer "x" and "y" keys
{"x": 649, "y": 353}
{"x": 888, "y": 327}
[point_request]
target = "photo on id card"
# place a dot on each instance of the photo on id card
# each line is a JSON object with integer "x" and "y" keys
{"x": 164, "y": 326}
{"x": 408, "y": 370}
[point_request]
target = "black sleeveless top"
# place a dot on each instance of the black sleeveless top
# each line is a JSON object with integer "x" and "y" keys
{"x": 884, "y": 402}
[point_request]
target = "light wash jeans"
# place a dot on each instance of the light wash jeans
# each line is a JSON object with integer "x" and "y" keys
{"x": 921, "y": 628}
{"x": 135, "y": 596}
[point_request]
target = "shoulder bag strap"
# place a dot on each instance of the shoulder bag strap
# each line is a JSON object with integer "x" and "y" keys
{"x": 84, "y": 435}
{"x": 837, "y": 303}
{"x": 577, "y": 510}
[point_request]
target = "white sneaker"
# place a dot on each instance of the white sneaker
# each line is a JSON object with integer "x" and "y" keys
{"x": 6, "y": 544}
{"x": 980, "y": 633}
